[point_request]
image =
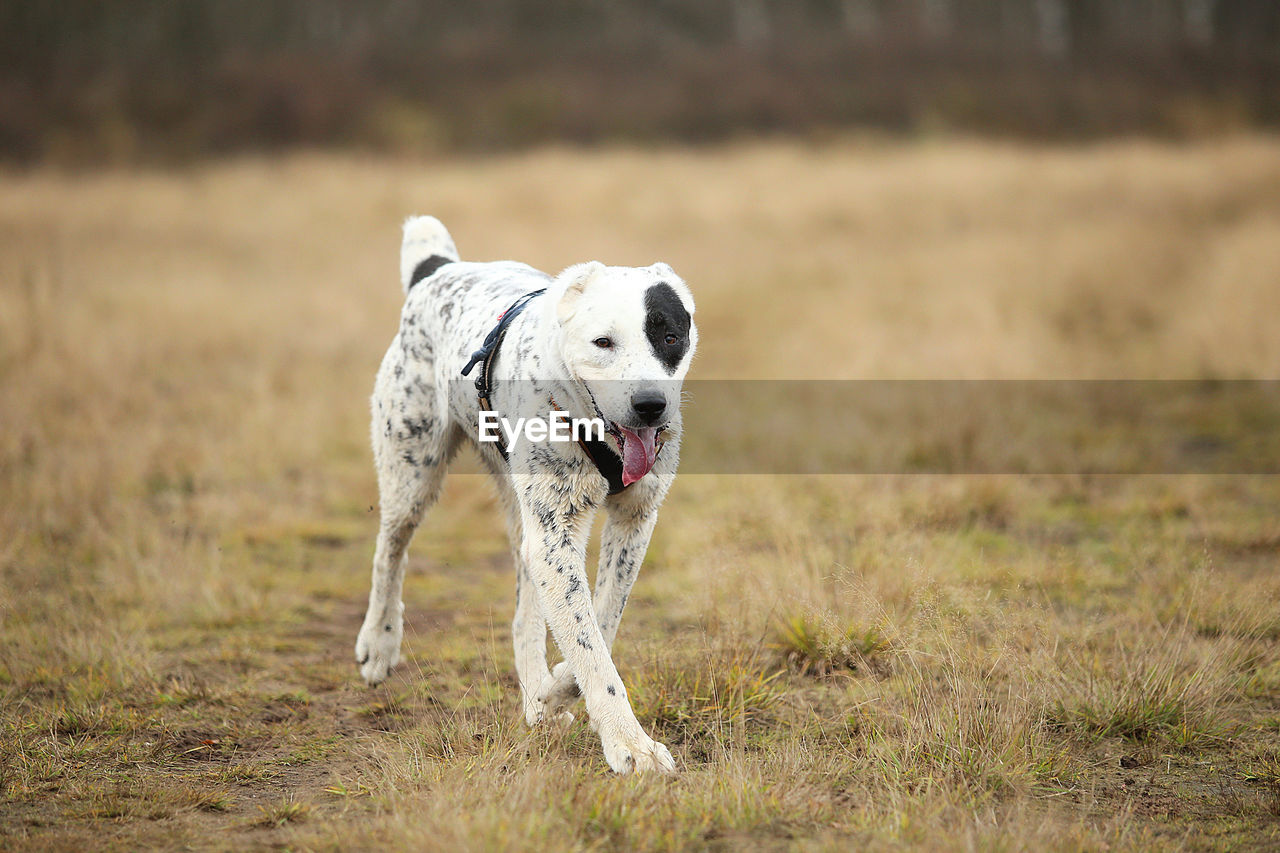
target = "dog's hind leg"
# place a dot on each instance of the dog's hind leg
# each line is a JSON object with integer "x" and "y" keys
{"x": 529, "y": 627}
{"x": 413, "y": 442}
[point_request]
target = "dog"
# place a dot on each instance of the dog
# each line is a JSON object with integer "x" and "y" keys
{"x": 607, "y": 345}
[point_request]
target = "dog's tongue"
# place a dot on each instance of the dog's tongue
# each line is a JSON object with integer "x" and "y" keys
{"x": 638, "y": 453}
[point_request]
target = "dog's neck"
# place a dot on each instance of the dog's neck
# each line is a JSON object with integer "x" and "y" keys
{"x": 568, "y": 393}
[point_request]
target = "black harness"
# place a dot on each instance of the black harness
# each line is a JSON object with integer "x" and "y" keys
{"x": 607, "y": 462}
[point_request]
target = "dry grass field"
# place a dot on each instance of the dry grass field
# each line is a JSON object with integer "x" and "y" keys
{"x": 995, "y": 662}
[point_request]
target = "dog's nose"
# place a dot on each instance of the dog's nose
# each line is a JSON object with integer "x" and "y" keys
{"x": 649, "y": 405}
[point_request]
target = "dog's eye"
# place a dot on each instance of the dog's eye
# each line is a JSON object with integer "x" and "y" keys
{"x": 603, "y": 343}
{"x": 671, "y": 340}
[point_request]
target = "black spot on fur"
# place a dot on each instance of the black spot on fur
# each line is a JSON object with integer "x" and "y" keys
{"x": 612, "y": 692}
{"x": 665, "y": 316}
{"x": 427, "y": 268}
{"x": 546, "y": 515}
{"x": 417, "y": 427}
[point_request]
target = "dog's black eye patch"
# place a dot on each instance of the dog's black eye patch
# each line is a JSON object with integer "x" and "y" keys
{"x": 666, "y": 325}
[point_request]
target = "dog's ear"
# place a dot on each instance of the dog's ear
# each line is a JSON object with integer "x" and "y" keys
{"x": 570, "y": 284}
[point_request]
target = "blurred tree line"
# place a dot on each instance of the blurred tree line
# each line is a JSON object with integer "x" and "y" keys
{"x": 111, "y": 80}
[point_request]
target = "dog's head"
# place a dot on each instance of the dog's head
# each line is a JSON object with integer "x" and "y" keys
{"x": 626, "y": 337}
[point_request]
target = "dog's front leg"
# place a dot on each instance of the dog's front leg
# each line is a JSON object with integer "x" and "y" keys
{"x": 554, "y": 548}
{"x": 623, "y": 543}
{"x": 622, "y": 547}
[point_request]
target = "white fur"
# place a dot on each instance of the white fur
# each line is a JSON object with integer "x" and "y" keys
{"x": 423, "y": 411}
{"x": 424, "y": 236}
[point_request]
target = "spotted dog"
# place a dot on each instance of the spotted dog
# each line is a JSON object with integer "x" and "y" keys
{"x": 612, "y": 343}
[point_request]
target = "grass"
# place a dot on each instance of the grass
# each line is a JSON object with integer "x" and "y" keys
{"x": 278, "y": 814}
{"x": 708, "y": 698}
{"x": 813, "y": 647}
{"x": 1022, "y": 663}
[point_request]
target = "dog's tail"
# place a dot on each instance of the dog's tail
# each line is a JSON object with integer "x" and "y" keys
{"x": 427, "y": 247}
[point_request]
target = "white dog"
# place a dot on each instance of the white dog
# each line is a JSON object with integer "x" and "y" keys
{"x": 609, "y": 343}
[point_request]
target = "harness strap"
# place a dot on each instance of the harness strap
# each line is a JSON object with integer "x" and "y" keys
{"x": 601, "y": 455}
{"x": 488, "y": 354}
{"x": 606, "y": 461}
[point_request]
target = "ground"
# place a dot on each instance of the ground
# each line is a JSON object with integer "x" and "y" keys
{"x": 187, "y": 515}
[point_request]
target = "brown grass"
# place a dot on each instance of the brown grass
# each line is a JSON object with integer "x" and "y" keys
{"x": 959, "y": 662}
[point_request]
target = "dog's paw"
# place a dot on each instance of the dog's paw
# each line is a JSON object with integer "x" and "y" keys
{"x": 636, "y": 752}
{"x": 536, "y": 715}
{"x": 547, "y": 705}
{"x": 378, "y": 648}
{"x": 559, "y": 691}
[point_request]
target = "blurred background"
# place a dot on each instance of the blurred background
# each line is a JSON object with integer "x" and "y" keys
{"x": 83, "y": 81}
